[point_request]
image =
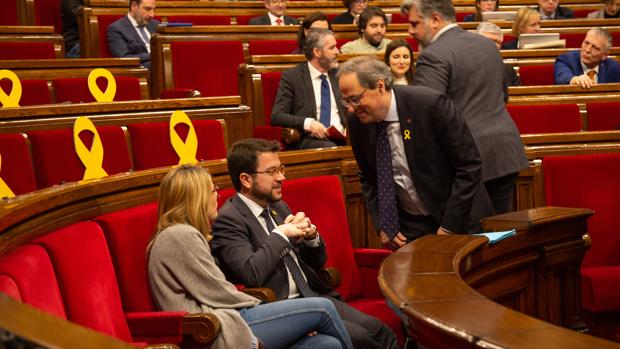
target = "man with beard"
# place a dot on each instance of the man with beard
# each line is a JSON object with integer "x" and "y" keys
{"x": 308, "y": 94}
{"x": 257, "y": 243}
{"x": 371, "y": 27}
{"x": 130, "y": 36}
{"x": 469, "y": 69}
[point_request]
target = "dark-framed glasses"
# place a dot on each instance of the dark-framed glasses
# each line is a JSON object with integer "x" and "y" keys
{"x": 353, "y": 101}
{"x": 273, "y": 171}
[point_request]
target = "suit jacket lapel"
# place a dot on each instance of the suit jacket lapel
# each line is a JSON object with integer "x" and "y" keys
{"x": 252, "y": 221}
{"x": 407, "y": 129}
{"x": 602, "y": 71}
{"x": 134, "y": 33}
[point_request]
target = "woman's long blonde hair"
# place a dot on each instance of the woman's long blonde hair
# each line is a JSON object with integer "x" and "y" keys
{"x": 184, "y": 199}
{"x": 524, "y": 14}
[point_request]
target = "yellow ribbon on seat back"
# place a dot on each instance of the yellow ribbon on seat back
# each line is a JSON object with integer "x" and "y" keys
{"x": 110, "y": 90}
{"x": 5, "y": 191}
{"x": 12, "y": 99}
{"x": 91, "y": 158}
{"x": 186, "y": 150}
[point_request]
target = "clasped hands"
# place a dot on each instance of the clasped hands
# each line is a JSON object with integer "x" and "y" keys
{"x": 297, "y": 227}
{"x": 318, "y": 130}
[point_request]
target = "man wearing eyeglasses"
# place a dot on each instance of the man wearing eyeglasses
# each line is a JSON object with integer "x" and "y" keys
{"x": 259, "y": 242}
{"x": 308, "y": 94}
{"x": 275, "y": 15}
{"x": 419, "y": 165}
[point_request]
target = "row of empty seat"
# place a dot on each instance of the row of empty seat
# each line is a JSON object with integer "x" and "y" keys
{"x": 40, "y": 159}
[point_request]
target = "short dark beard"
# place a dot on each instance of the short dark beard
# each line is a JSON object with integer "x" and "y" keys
{"x": 264, "y": 196}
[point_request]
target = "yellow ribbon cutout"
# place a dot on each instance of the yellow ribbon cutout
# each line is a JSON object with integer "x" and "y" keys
{"x": 12, "y": 99}
{"x": 5, "y": 191}
{"x": 93, "y": 158}
{"x": 186, "y": 150}
{"x": 407, "y": 134}
{"x": 110, "y": 91}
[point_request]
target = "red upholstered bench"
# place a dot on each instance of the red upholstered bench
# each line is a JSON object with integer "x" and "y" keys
{"x": 536, "y": 75}
{"x": 16, "y": 168}
{"x": 75, "y": 90}
{"x": 591, "y": 181}
{"x": 55, "y": 160}
{"x": 603, "y": 116}
{"x": 271, "y": 47}
{"x": 34, "y": 92}
{"x": 549, "y": 118}
{"x": 27, "y": 50}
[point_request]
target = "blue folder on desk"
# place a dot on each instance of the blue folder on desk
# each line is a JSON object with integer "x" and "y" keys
{"x": 497, "y": 236}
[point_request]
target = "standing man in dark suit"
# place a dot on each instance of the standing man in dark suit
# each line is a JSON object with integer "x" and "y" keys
{"x": 130, "y": 36}
{"x": 469, "y": 69}
{"x": 589, "y": 65}
{"x": 419, "y": 165}
{"x": 308, "y": 94}
{"x": 260, "y": 243}
{"x": 275, "y": 15}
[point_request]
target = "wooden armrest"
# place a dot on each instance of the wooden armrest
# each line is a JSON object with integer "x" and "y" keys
{"x": 202, "y": 327}
{"x": 161, "y": 346}
{"x": 265, "y": 294}
{"x": 330, "y": 276}
{"x": 290, "y": 135}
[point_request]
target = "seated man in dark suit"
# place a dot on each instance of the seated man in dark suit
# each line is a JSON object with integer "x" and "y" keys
{"x": 130, "y": 36}
{"x": 494, "y": 33}
{"x": 255, "y": 244}
{"x": 275, "y": 15}
{"x": 589, "y": 65}
{"x": 308, "y": 94}
{"x": 550, "y": 9}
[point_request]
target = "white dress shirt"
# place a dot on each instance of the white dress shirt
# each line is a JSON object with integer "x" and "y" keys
{"x": 137, "y": 28}
{"x": 315, "y": 77}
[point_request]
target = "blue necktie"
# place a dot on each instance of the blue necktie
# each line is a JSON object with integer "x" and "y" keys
{"x": 145, "y": 37}
{"x": 290, "y": 263}
{"x": 388, "y": 211}
{"x": 325, "y": 117}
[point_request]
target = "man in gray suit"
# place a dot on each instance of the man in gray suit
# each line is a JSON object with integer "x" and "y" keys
{"x": 130, "y": 36}
{"x": 469, "y": 69}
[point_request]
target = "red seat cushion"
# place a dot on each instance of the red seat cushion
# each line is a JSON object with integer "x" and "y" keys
{"x": 536, "y": 75}
{"x": 244, "y": 19}
{"x": 546, "y": 118}
{"x": 75, "y": 90}
{"x": 603, "y": 116}
{"x": 34, "y": 92}
{"x": 103, "y": 22}
{"x": 599, "y": 288}
{"x": 9, "y": 287}
{"x": 86, "y": 278}
{"x": 152, "y": 148}
{"x": 581, "y": 13}
{"x": 271, "y": 47}
{"x": 270, "y": 82}
{"x": 573, "y": 40}
{"x": 9, "y": 15}
{"x": 128, "y": 232}
{"x": 55, "y": 160}
{"x": 216, "y": 75}
{"x": 26, "y": 50}
{"x": 47, "y": 12}
{"x": 31, "y": 270}
{"x": 16, "y": 168}
{"x": 399, "y": 18}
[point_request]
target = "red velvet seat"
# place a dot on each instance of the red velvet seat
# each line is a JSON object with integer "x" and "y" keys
{"x": 413, "y": 43}
{"x": 9, "y": 15}
{"x": 75, "y": 90}
{"x": 272, "y": 47}
{"x": 536, "y": 75}
{"x": 591, "y": 181}
{"x": 216, "y": 75}
{"x": 399, "y": 18}
{"x": 244, "y": 19}
{"x": 269, "y": 82}
{"x": 47, "y": 12}
{"x": 34, "y": 92}
{"x": 200, "y": 19}
{"x": 128, "y": 232}
{"x": 358, "y": 267}
{"x": 573, "y": 40}
{"x": 16, "y": 168}
{"x": 87, "y": 282}
{"x": 26, "y": 50}
{"x": 603, "y": 116}
{"x": 104, "y": 21}
{"x": 460, "y": 16}
{"x": 547, "y": 118}
{"x": 28, "y": 273}
{"x": 151, "y": 145}
{"x": 581, "y": 13}
{"x": 55, "y": 160}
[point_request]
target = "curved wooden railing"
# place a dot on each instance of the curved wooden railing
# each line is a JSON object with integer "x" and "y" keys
{"x": 461, "y": 292}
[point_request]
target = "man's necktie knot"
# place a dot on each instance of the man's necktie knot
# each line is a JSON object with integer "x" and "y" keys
{"x": 279, "y": 21}
{"x": 591, "y": 74}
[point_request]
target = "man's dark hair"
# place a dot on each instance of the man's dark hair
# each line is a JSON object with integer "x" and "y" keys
{"x": 367, "y": 15}
{"x": 315, "y": 39}
{"x": 307, "y": 22}
{"x": 243, "y": 157}
{"x": 136, "y": 1}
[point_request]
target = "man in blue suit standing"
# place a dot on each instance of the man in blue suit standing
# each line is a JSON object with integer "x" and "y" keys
{"x": 130, "y": 36}
{"x": 588, "y": 66}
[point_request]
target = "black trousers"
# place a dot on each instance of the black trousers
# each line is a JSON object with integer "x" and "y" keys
{"x": 501, "y": 192}
{"x": 366, "y": 331}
